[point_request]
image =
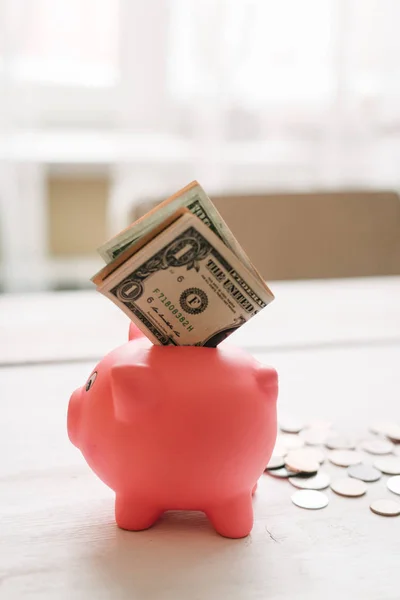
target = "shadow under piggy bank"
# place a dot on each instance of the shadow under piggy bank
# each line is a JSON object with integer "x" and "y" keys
{"x": 180, "y": 558}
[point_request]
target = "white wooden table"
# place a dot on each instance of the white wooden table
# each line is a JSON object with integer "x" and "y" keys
{"x": 336, "y": 346}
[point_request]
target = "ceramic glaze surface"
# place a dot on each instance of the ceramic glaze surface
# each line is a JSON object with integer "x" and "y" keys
{"x": 177, "y": 428}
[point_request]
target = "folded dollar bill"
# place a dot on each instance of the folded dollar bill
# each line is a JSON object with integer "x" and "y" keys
{"x": 131, "y": 249}
{"x": 183, "y": 285}
{"x": 192, "y": 197}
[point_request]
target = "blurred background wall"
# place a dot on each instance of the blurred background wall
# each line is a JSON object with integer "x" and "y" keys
{"x": 287, "y": 113}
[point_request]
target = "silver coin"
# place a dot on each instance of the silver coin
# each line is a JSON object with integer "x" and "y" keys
{"x": 303, "y": 474}
{"x": 290, "y": 441}
{"x": 377, "y": 446}
{"x": 310, "y": 454}
{"x": 387, "y": 428}
{"x": 386, "y": 508}
{"x": 344, "y": 458}
{"x": 320, "y": 481}
{"x": 276, "y": 462}
{"x": 349, "y": 487}
{"x": 280, "y": 473}
{"x": 318, "y": 454}
{"x": 393, "y": 433}
{"x": 364, "y": 473}
{"x": 390, "y": 465}
{"x": 393, "y": 484}
{"x": 290, "y": 425}
{"x": 310, "y": 499}
{"x": 379, "y": 427}
{"x": 314, "y": 436}
{"x": 299, "y": 462}
{"x": 340, "y": 443}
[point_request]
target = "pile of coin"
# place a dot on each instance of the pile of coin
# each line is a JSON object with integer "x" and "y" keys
{"x": 301, "y": 449}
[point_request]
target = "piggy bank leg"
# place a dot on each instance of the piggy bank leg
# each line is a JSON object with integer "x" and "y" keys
{"x": 234, "y": 518}
{"x": 134, "y": 514}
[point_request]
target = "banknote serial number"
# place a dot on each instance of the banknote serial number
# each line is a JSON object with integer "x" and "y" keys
{"x": 171, "y": 307}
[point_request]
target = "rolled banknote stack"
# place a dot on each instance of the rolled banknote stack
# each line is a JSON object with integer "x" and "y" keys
{"x": 180, "y": 275}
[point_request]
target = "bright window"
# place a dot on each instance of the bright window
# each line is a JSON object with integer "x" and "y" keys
{"x": 58, "y": 42}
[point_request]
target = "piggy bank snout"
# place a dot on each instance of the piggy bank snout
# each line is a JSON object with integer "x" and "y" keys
{"x": 73, "y": 418}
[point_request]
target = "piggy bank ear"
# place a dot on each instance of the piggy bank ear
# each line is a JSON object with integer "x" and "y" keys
{"x": 267, "y": 378}
{"x": 133, "y": 389}
{"x": 134, "y": 332}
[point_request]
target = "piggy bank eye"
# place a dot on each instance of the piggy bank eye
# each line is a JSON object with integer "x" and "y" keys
{"x": 91, "y": 381}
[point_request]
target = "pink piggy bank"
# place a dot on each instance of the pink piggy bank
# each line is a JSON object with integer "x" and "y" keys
{"x": 177, "y": 428}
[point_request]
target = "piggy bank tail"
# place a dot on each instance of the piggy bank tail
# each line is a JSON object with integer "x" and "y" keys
{"x": 134, "y": 332}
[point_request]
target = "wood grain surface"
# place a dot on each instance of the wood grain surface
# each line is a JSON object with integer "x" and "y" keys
{"x": 58, "y": 539}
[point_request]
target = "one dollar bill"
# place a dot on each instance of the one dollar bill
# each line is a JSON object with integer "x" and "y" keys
{"x": 192, "y": 197}
{"x": 186, "y": 287}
